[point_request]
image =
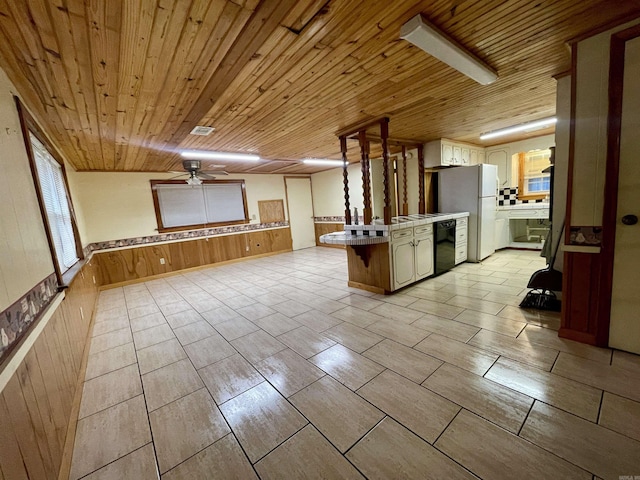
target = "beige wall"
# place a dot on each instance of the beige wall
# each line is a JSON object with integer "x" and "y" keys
{"x": 328, "y": 191}
{"x": 114, "y": 206}
{"x": 412, "y": 181}
{"x": 590, "y": 142}
{"x": 563, "y": 112}
{"x": 25, "y": 259}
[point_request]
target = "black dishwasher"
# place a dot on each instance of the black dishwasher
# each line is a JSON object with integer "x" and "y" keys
{"x": 444, "y": 246}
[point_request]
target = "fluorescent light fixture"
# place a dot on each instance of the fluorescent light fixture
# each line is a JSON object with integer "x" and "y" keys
{"x": 205, "y": 155}
{"x": 531, "y": 126}
{"x": 426, "y": 36}
{"x": 323, "y": 161}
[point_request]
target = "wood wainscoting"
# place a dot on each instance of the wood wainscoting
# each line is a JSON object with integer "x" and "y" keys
{"x": 138, "y": 262}
{"x": 39, "y": 404}
{"x": 582, "y": 300}
{"x": 324, "y": 228}
{"x": 369, "y": 267}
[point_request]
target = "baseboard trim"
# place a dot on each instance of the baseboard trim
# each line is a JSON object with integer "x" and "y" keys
{"x": 368, "y": 288}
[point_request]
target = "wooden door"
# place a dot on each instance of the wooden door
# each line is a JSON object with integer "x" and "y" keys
{"x": 300, "y": 206}
{"x": 624, "y": 329}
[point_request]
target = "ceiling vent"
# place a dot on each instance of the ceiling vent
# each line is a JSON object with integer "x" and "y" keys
{"x": 200, "y": 130}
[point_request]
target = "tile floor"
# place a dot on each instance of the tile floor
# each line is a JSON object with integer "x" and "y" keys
{"x": 273, "y": 368}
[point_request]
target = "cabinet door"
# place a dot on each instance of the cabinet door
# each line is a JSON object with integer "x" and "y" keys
{"x": 424, "y": 256}
{"x": 447, "y": 154}
{"x": 464, "y": 156}
{"x": 473, "y": 157}
{"x": 481, "y": 157}
{"x": 500, "y": 158}
{"x": 457, "y": 154}
{"x": 403, "y": 263}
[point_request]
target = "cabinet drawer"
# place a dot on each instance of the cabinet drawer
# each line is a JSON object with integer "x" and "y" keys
{"x": 423, "y": 229}
{"x": 461, "y": 236}
{"x": 461, "y": 221}
{"x": 398, "y": 234}
{"x": 461, "y": 254}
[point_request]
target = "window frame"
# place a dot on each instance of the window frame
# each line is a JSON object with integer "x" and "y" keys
{"x": 29, "y": 126}
{"x": 521, "y": 182}
{"x": 156, "y": 205}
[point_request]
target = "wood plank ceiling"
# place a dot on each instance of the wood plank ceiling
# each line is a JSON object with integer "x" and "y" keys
{"x": 118, "y": 85}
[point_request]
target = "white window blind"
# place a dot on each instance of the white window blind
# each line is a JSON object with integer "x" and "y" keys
{"x": 534, "y": 180}
{"x": 183, "y": 205}
{"x": 54, "y": 196}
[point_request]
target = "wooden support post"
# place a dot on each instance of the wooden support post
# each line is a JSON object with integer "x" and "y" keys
{"x": 405, "y": 205}
{"x": 345, "y": 180}
{"x": 366, "y": 176}
{"x": 421, "y": 194}
{"x": 384, "y": 135}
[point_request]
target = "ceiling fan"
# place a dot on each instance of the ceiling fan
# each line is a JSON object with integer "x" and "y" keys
{"x": 193, "y": 168}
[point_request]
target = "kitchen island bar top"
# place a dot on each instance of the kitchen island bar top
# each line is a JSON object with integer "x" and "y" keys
{"x": 377, "y": 233}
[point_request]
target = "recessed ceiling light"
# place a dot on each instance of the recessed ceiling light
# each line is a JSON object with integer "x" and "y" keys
{"x": 202, "y": 130}
{"x": 427, "y": 37}
{"x": 323, "y": 161}
{"x": 205, "y": 155}
{"x": 530, "y": 126}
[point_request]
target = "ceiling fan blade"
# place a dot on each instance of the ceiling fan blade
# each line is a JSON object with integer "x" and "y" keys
{"x": 178, "y": 176}
{"x": 212, "y": 172}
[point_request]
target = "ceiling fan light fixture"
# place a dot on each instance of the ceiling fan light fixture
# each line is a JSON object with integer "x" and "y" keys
{"x": 429, "y": 38}
{"x": 524, "y": 127}
{"x": 193, "y": 180}
{"x": 206, "y": 155}
{"x": 323, "y": 161}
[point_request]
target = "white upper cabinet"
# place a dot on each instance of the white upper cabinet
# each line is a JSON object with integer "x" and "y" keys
{"x": 446, "y": 153}
{"x": 501, "y": 159}
{"x": 465, "y": 156}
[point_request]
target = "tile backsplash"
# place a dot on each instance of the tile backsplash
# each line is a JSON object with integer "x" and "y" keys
{"x": 509, "y": 196}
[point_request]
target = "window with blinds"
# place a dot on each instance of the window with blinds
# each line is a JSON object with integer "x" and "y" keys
{"x": 180, "y": 206}
{"x": 56, "y": 204}
{"x": 533, "y": 182}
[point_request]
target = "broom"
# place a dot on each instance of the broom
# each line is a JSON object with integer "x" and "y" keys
{"x": 544, "y": 282}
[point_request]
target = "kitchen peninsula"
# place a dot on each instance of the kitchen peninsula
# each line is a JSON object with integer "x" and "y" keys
{"x": 385, "y": 258}
{"x": 389, "y": 253}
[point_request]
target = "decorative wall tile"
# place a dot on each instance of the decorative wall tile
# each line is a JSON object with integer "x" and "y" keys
{"x": 509, "y": 196}
{"x": 591, "y": 236}
{"x": 15, "y": 320}
{"x": 166, "y": 237}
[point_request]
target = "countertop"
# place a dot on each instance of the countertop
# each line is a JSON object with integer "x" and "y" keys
{"x": 377, "y": 233}
{"x": 523, "y": 206}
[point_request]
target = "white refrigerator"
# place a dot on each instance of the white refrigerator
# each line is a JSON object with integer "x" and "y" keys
{"x": 472, "y": 189}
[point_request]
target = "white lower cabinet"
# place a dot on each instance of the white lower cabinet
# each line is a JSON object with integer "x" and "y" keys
{"x": 403, "y": 260}
{"x": 411, "y": 255}
{"x": 424, "y": 256}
